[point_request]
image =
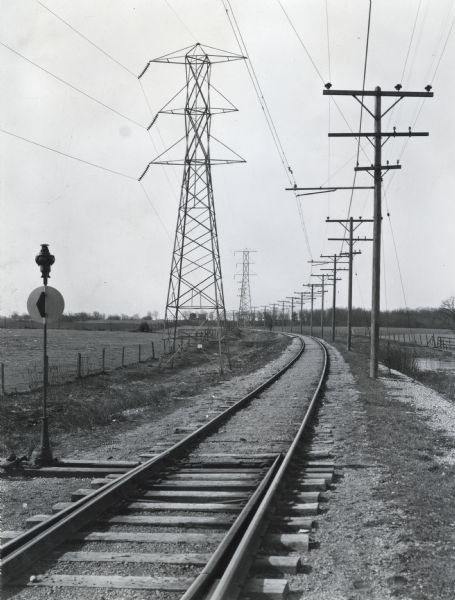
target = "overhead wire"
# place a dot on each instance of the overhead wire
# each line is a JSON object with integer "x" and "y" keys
{"x": 329, "y": 139}
{"x": 266, "y": 111}
{"x": 129, "y": 71}
{"x": 302, "y": 43}
{"x": 442, "y": 28}
{"x": 77, "y": 32}
{"x": 365, "y": 64}
{"x": 87, "y": 162}
{"x": 149, "y": 200}
{"x": 405, "y": 144}
{"x": 61, "y": 80}
{"x": 410, "y": 41}
{"x": 422, "y": 102}
{"x": 443, "y": 50}
{"x": 169, "y": 5}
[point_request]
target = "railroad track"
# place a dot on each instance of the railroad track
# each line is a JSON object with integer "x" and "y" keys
{"x": 208, "y": 518}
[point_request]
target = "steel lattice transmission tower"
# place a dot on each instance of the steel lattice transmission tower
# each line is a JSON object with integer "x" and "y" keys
{"x": 245, "y": 292}
{"x": 195, "y": 282}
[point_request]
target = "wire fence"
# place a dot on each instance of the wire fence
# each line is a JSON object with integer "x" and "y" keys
{"x": 29, "y": 377}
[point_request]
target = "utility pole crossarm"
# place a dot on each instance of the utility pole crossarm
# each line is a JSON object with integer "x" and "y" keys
{"x": 329, "y": 220}
{"x": 372, "y": 167}
{"x": 388, "y": 134}
{"x": 358, "y": 239}
{"x": 391, "y": 93}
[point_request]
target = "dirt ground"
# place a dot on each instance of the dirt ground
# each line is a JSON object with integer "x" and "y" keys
{"x": 388, "y": 530}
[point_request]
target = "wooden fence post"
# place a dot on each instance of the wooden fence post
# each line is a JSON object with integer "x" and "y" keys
{"x": 103, "y": 361}
{"x": 123, "y": 356}
{"x": 139, "y": 353}
{"x": 153, "y": 350}
{"x": 3, "y": 379}
{"x": 79, "y": 365}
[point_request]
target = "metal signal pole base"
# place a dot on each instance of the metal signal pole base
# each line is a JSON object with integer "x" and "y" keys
{"x": 43, "y": 456}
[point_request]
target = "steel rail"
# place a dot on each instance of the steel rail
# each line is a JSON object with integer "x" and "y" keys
{"x": 21, "y": 552}
{"x": 205, "y": 579}
{"x": 229, "y": 586}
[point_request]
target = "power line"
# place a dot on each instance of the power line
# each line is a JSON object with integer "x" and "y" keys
{"x": 149, "y": 200}
{"x": 328, "y": 37}
{"x": 268, "y": 117}
{"x": 259, "y": 92}
{"x": 329, "y": 141}
{"x": 443, "y": 50}
{"x": 15, "y": 135}
{"x": 180, "y": 20}
{"x": 71, "y": 85}
{"x": 410, "y": 41}
{"x": 365, "y": 63}
{"x": 302, "y": 43}
{"x": 77, "y": 32}
{"x": 391, "y": 113}
{"x": 445, "y": 19}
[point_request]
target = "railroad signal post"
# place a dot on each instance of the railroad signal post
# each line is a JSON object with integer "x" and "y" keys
{"x": 376, "y": 171}
{"x": 45, "y": 304}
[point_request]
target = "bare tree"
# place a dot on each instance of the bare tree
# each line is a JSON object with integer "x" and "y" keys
{"x": 447, "y": 308}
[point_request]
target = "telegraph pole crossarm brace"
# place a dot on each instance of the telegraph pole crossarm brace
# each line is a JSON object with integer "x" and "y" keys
{"x": 377, "y": 141}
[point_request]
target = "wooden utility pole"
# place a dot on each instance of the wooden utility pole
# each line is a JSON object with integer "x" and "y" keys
{"x": 376, "y": 171}
{"x": 292, "y": 298}
{"x": 349, "y": 226}
{"x": 302, "y": 294}
{"x": 334, "y": 271}
{"x": 312, "y": 295}
{"x": 322, "y": 285}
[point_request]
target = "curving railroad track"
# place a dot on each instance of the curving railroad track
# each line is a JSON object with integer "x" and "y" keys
{"x": 208, "y": 518}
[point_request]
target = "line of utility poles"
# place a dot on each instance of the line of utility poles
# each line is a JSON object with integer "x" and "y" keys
{"x": 349, "y": 226}
{"x": 376, "y": 138}
{"x": 376, "y": 170}
{"x": 334, "y": 270}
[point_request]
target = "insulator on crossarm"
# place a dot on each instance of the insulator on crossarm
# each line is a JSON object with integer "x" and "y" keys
{"x": 145, "y": 171}
{"x": 153, "y": 122}
{"x": 144, "y": 70}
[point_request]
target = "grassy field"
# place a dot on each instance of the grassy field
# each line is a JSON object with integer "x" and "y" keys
{"x": 21, "y": 352}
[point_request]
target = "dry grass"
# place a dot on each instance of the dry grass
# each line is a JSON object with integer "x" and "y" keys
{"x": 399, "y": 358}
{"x": 93, "y": 403}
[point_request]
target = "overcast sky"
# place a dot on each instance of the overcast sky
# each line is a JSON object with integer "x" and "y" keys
{"x": 113, "y": 248}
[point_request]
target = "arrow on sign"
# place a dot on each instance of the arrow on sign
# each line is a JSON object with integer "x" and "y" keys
{"x": 41, "y": 304}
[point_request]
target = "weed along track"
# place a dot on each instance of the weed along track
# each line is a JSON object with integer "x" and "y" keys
{"x": 225, "y": 512}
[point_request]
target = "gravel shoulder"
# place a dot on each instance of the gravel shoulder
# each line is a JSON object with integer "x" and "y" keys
{"x": 389, "y": 529}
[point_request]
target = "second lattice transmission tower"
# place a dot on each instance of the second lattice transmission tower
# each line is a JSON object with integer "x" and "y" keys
{"x": 245, "y": 291}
